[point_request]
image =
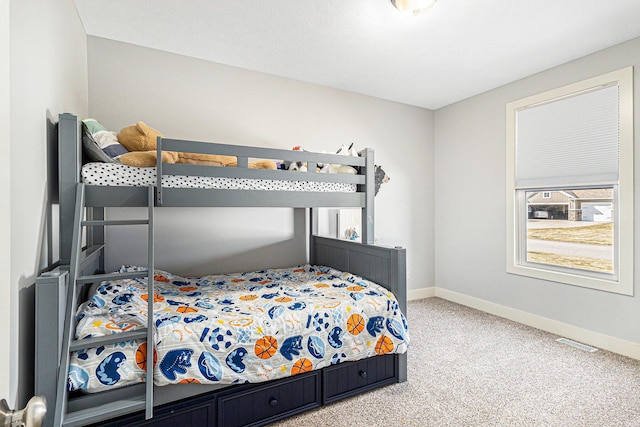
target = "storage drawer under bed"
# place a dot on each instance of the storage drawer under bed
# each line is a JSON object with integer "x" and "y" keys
{"x": 199, "y": 411}
{"x": 350, "y": 378}
{"x": 264, "y": 404}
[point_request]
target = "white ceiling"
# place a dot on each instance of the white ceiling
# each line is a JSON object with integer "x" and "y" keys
{"x": 455, "y": 50}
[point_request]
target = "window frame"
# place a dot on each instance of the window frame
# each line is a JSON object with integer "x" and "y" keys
{"x": 621, "y": 282}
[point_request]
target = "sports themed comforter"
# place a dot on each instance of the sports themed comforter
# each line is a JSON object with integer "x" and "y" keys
{"x": 236, "y": 328}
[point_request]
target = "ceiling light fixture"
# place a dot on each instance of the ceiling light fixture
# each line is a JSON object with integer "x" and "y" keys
{"x": 414, "y": 7}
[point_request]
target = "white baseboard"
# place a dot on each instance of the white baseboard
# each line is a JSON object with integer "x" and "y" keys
{"x": 595, "y": 339}
{"x": 413, "y": 294}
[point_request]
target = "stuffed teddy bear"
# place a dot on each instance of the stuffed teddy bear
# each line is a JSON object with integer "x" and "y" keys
{"x": 140, "y": 140}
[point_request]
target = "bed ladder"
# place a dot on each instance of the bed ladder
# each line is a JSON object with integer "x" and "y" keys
{"x": 65, "y": 416}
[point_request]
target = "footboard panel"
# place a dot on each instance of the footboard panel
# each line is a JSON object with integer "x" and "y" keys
{"x": 384, "y": 265}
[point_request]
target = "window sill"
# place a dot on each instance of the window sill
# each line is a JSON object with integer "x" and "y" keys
{"x": 623, "y": 286}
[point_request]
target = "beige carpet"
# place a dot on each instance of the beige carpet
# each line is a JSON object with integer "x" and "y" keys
{"x": 469, "y": 368}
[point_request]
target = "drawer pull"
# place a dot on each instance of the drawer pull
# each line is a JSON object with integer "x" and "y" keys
{"x": 273, "y": 401}
{"x": 363, "y": 374}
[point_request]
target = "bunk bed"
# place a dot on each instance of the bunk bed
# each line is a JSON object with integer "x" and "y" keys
{"x": 356, "y": 268}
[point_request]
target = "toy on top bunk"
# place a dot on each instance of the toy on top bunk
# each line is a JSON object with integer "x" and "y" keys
{"x": 381, "y": 176}
{"x": 325, "y": 167}
{"x": 140, "y": 140}
{"x": 135, "y": 145}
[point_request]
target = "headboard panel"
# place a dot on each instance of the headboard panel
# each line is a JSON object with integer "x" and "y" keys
{"x": 69, "y": 166}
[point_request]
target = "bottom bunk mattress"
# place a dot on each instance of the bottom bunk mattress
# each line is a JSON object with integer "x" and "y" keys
{"x": 235, "y": 328}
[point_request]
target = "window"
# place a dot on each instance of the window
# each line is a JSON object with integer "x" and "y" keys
{"x": 570, "y": 184}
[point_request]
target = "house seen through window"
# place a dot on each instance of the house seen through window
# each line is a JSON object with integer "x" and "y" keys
{"x": 571, "y": 228}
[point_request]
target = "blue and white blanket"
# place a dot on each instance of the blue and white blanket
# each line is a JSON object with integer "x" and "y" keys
{"x": 236, "y": 328}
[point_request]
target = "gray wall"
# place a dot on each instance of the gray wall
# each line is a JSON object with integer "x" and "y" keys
{"x": 48, "y": 66}
{"x": 470, "y": 235}
{"x": 189, "y": 98}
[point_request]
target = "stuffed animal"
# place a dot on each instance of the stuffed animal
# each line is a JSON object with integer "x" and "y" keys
{"x": 296, "y": 166}
{"x": 380, "y": 178}
{"x": 140, "y": 140}
{"x": 351, "y": 233}
{"x": 345, "y": 150}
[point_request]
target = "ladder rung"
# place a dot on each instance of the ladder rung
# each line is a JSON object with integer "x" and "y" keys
{"x": 104, "y": 412}
{"x": 88, "y": 400}
{"x": 108, "y": 339}
{"x": 97, "y": 222}
{"x": 112, "y": 276}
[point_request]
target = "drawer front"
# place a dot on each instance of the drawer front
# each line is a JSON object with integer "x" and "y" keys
{"x": 198, "y": 416}
{"x": 351, "y": 378}
{"x": 181, "y": 415}
{"x": 263, "y": 404}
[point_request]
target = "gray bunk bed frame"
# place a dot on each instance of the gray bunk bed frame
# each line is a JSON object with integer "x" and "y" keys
{"x": 383, "y": 265}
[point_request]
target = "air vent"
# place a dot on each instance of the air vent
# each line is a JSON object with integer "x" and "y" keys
{"x": 583, "y": 347}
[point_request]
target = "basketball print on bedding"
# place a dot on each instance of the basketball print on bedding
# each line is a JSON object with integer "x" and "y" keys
{"x": 301, "y": 366}
{"x": 141, "y": 357}
{"x": 266, "y": 347}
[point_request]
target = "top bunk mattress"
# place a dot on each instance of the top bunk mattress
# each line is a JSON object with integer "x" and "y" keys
{"x": 116, "y": 174}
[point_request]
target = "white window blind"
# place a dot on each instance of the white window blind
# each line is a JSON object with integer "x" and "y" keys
{"x": 570, "y": 141}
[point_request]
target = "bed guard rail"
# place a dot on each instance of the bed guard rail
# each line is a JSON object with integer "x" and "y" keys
{"x": 363, "y": 164}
